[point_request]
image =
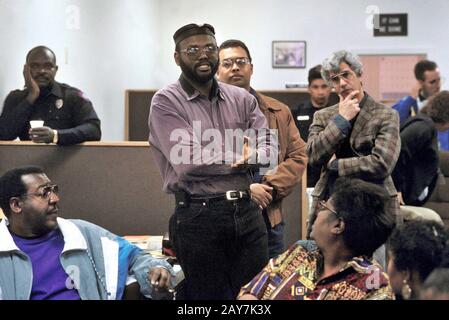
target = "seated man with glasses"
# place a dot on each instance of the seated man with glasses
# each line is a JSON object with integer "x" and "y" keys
{"x": 357, "y": 138}
{"x": 218, "y": 233}
{"x": 269, "y": 190}
{"x": 68, "y": 116}
{"x": 45, "y": 257}
{"x": 349, "y": 226}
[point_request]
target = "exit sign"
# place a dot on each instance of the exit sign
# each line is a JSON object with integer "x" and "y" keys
{"x": 391, "y": 24}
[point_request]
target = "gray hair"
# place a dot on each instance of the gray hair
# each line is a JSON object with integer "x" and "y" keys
{"x": 332, "y": 64}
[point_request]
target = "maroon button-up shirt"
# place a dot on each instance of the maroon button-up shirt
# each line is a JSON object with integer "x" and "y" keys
{"x": 187, "y": 137}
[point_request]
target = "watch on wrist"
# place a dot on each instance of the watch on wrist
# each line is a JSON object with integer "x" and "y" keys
{"x": 55, "y": 136}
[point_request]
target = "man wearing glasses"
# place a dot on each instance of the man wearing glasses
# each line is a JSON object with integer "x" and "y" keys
{"x": 357, "y": 137}
{"x": 218, "y": 233}
{"x": 268, "y": 191}
{"x": 428, "y": 84}
{"x": 45, "y": 257}
{"x": 68, "y": 116}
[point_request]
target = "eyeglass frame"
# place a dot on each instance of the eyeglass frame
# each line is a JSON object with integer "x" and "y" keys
{"x": 335, "y": 79}
{"x": 206, "y": 49}
{"x": 233, "y": 61}
{"x": 53, "y": 188}
{"x": 322, "y": 204}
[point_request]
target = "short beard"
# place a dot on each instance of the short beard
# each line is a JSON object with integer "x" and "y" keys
{"x": 190, "y": 73}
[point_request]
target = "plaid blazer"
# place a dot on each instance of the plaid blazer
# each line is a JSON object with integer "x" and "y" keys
{"x": 374, "y": 139}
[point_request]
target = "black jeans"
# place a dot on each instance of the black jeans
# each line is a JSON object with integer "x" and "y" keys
{"x": 220, "y": 247}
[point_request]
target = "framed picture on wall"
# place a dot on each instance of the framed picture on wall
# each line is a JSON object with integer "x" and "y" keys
{"x": 289, "y": 54}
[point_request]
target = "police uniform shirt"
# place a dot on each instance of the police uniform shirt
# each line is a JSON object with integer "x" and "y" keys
{"x": 62, "y": 108}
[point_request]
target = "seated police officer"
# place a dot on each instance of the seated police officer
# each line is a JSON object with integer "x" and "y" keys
{"x": 68, "y": 116}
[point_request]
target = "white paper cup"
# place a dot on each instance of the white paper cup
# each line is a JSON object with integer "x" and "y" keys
{"x": 36, "y": 123}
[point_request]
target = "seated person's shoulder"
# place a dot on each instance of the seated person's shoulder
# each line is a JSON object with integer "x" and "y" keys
{"x": 301, "y": 251}
{"x": 300, "y": 248}
{"x": 88, "y": 227}
{"x": 308, "y": 245}
{"x": 17, "y": 94}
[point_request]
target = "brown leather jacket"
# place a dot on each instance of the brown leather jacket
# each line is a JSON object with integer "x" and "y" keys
{"x": 292, "y": 154}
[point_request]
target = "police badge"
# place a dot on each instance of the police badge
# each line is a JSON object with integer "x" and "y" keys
{"x": 59, "y": 103}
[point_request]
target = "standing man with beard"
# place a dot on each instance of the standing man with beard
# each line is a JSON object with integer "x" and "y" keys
{"x": 218, "y": 233}
{"x": 69, "y": 117}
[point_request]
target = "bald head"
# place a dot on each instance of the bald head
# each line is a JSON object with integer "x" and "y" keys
{"x": 42, "y": 65}
{"x": 39, "y": 52}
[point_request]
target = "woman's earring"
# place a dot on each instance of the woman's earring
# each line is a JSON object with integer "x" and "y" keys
{"x": 406, "y": 290}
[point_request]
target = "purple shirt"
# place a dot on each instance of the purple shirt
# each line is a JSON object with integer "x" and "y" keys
{"x": 174, "y": 111}
{"x": 49, "y": 277}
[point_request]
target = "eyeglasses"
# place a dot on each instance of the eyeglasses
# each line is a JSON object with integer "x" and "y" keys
{"x": 240, "y": 62}
{"x": 196, "y": 52}
{"x": 323, "y": 206}
{"x": 46, "y": 66}
{"x": 345, "y": 75}
{"x": 45, "y": 192}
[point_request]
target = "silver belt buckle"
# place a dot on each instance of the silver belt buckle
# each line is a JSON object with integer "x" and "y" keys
{"x": 230, "y": 197}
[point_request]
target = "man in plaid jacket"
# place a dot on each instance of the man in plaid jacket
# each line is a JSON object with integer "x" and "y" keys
{"x": 358, "y": 137}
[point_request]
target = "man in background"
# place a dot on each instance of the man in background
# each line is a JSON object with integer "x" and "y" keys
{"x": 428, "y": 84}
{"x": 68, "y": 116}
{"x": 417, "y": 170}
{"x": 319, "y": 91}
{"x": 236, "y": 68}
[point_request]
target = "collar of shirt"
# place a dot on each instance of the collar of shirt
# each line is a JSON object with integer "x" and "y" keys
{"x": 421, "y": 101}
{"x": 192, "y": 93}
{"x": 357, "y": 264}
{"x": 55, "y": 91}
{"x": 365, "y": 97}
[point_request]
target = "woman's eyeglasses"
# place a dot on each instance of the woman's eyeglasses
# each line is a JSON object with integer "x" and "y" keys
{"x": 323, "y": 206}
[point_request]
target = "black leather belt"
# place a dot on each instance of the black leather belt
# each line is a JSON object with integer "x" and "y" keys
{"x": 183, "y": 199}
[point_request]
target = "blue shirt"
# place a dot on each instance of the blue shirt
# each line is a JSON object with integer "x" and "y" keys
{"x": 50, "y": 281}
{"x": 404, "y": 106}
